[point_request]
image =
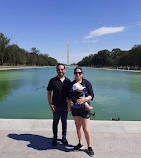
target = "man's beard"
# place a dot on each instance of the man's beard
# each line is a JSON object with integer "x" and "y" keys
{"x": 61, "y": 74}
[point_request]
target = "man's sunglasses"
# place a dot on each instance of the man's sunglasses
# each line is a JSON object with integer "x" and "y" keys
{"x": 78, "y": 73}
{"x": 60, "y": 69}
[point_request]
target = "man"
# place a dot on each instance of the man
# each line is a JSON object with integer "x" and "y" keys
{"x": 59, "y": 85}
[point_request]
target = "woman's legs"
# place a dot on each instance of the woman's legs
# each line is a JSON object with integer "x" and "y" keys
{"x": 86, "y": 129}
{"x": 78, "y": 124}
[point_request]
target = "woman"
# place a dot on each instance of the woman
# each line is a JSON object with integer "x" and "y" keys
{"x": 82, "y": 115}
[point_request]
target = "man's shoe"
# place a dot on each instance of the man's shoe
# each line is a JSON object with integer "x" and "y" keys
{"x": 54, "y": 142}
{"x": 90, "y": 152}
{"x": 78, "y": 147}
{"x": 64, "y": 141}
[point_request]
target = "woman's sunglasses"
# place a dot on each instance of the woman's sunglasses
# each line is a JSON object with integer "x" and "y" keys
{"x": 78, "y": 73}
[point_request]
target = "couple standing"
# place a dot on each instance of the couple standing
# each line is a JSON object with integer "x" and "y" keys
{"x": 60, "y": 86}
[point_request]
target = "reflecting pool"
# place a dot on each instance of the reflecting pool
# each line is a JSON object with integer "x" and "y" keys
{"x": 23, "y": 93}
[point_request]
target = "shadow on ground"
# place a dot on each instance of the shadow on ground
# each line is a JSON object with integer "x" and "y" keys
{"x": 40, "y": 143}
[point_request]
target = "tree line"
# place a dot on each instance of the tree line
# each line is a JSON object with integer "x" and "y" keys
{"x": 115, "y": 58}
{"x": 13, "y": 55}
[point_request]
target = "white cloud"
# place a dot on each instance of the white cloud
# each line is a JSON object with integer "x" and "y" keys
{"x": 104, "y": 30}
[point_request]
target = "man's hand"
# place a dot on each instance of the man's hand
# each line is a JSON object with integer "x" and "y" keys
{"x": 52, "y": 107}
{"x": 70, "y": 103}
{"x": 69, "y": 108}
{"x": 49, "y": 101}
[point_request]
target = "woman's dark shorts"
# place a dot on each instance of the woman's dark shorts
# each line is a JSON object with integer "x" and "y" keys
{"x": 82, "y": 112}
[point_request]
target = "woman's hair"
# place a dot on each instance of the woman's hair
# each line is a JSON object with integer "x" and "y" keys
{"x": 78, "y": 67}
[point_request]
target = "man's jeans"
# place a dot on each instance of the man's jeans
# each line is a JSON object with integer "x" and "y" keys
{"x": 60, "y": 113}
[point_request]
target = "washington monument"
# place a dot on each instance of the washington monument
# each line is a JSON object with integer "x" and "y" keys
{"x": 67, "y": 53}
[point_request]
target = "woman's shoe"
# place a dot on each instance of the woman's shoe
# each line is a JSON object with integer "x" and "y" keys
{"x": 78, "y": 147}
{"x": 90, "y": 152}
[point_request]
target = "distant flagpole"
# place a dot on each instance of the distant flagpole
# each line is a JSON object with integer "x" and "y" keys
{"x": 67, "y": 53}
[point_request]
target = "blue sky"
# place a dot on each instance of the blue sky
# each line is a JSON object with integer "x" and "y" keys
{"x": 88, "y": 25}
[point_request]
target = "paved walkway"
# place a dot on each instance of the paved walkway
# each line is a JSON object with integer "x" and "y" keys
{"x": 23, "y": 138}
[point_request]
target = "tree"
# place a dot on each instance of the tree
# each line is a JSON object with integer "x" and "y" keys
{"x": 34, "y": 54}
{"x": 103, "y": 57}
{"x": 52, "y": 61}
{"x": 4, "y": 41}
{"x": 14, "y": 55}
{"x": 135, "y": 55}
{"x": 123, "y": 58}
{"x": 115, "y": 54}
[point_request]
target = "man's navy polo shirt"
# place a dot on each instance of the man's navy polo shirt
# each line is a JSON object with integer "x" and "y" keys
{"x": 60, "y": 91}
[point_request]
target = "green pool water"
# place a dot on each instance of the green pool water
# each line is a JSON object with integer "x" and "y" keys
{"x": 23, "y": 93}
